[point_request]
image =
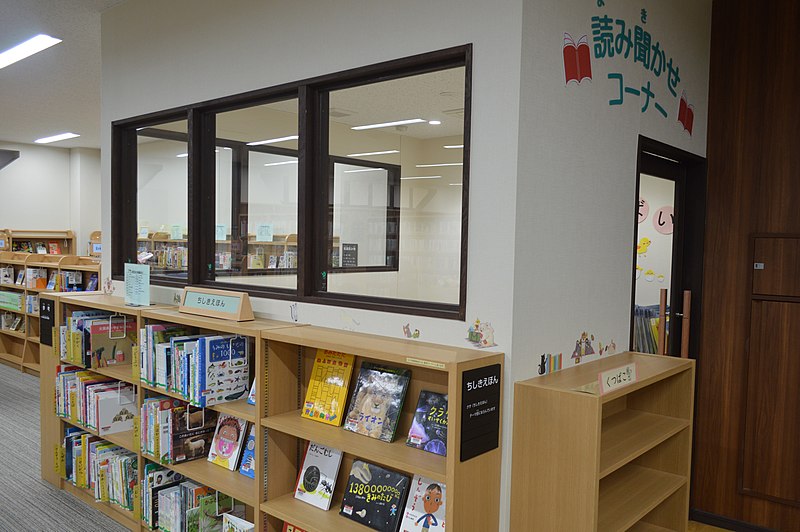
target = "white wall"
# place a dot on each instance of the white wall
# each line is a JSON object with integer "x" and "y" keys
{"x": 49, "y": 188}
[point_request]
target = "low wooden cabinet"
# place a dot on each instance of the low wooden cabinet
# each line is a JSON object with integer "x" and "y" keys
{"x": 614, "y": 462}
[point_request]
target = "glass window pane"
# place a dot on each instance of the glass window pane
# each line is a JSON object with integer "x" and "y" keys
{"x": 162, "y": 211}
{"x": 398, "y": 240}
{"x": 256, "y": 205}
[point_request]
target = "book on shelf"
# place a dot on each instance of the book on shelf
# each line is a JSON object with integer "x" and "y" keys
{"x": 374, "y": 496}
{"x": 110, "y": 340}
{"x": 54, "y": 247}
{"x": 149, "y": 337}
{"x": 288, "y": 527}
{"x": 227, "y": 442}
{"x": 51, "y": 282}
{"x": 190, "y": 432}
{"x": 327, "y": 387}
{"x": 231, "y": 523}
{"x": 7, "y": 275}
{"x": 377, "y": 400}
{"x": 91, "y": 286}
{"x": 154, "y": 480}
{"x": 429, "y": 427}
{"x": 20, "y": 277}
{"x": 317, "y": 479}
{"x": 251, "y": 395}
{"x": 425, "y": 506}
{"x": 248, "y": 462}
{"x": 224, "y": 373}
{"x": 41, "y": 249}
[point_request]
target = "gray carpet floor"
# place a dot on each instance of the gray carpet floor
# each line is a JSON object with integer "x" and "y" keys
{"x": 27, "y": 503}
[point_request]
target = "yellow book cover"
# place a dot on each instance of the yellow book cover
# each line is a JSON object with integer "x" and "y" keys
{"x": 327, "y": 388}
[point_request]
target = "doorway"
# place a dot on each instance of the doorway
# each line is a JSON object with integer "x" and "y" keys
{"x": 669, "y": 227}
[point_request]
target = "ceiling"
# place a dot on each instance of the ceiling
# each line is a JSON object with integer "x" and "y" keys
{"x": 56, "y": 90}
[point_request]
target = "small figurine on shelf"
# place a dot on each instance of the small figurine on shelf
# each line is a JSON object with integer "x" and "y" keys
{"x": 108, "y": 286}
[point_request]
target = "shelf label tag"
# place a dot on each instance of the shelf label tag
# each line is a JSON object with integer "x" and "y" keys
{"x": 213, "y": 303}
{"x": 136, "y": 364}
{"x": 615, "y": 378}
{"x": 137, "y": 501}
{"x": 426, "y": 363}
{"x": 220, "y": 232}
{"x": 102, "y": 479}
{"x": 73, "y": 407}
{"x": 264, "y": 233}
{"x": 480, "y": 410}
{"x": 136, "y": 433}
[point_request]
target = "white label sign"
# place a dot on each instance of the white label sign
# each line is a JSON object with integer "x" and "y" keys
{"x": 221, "y": 232}
{"x": 176, "y": 232}
{"x": 264, "y": 233}
{"x": 137, "y": 285}
{"x": 619, "y": 377}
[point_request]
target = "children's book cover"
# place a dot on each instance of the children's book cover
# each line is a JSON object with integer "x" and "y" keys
{"x": 374, "y": 496}
{"x": 429, "y": 427}
{"x": 317, "y": 478}
{"x": 192, "y": 431}
{"x": 231, "y": 523}
{"x": 247, "y": 467}
{"x": 377, "y": 401}
{"x": 327, "y": 387}
{"x": 227, "y": 442}
{"x": 425, "y": 507}
{"x": 288, "y": 527}
{"x": 111, "y": 341}
{"x": 224, "y": 369}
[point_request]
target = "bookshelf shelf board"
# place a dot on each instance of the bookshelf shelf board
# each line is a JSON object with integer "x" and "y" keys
{"x": 79, "y": 267}
{"x": 32, "y": 315}
{"x": 641, "y": 526}
{"x": 396, "y": 455}
{"x": 39, "y": 290}
{"x": 13, "y": 286}
{"x": 8, "y": 357}
{"x": 100, "y": 301}
{"x": 4, "y": 310}
{"x": 109, "y": 509}
{"x": 15, "y": 334}
{"x": 245, "y": 328}
{"x": 122, "y": 372}
{"x": 226, "y": 408}
{"x": 32, "y": 365}
{"x": 228, "y": 482}
{"x": 630, "y": 493}
{"x": 630, "y": 434}
{"x": 41, "y": 264}
{"x": 309, "y": 517}
{"x": 394, "y": 350}
{"x": 123, "y": 439}
{"x": 32, "y": 339}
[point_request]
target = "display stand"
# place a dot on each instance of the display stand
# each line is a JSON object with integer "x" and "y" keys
{"x": 613, "y": 462}
{"x": 473, "y": 485}
{"x": 64, "y": 239}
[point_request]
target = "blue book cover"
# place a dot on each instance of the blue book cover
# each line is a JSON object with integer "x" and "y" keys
{"x": 223, "y": 370}
{"x": 247, "y": 468}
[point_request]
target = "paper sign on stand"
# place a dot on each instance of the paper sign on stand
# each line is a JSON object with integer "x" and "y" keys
{"x": 220, "y": 232}
{"x": 264, "y": 233}
{"x": 137, "y": 285}
{"x": 176, "y": 232}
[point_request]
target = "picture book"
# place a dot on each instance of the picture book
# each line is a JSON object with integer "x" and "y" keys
{"x": 7, "y": 275}
{"x": 111, "y": 340}
{"x": 327, "y": 387}
{"x": 429, "y": 426}
{"x": 224, "y": 373}
{"x": 91, "y": 286}
{"x": 247, "y": 467}
{"x": 317, "y": 478}
{"x": 115, "y": 410}
{"x": 231, "y": 523}
{"x": 377, "y": 400}
{"x": 251, "y": 396}
{"x": 20, "y": 277}
{"x": 425, "y": 506}
{"x": 227, "y": 442}
{"x": 191, "y": 430}
{"x": 54, "y": 247}
{"x": 288, "y": 527}
{"x": 41, "y": 249}
{"x": 374, "y": 496}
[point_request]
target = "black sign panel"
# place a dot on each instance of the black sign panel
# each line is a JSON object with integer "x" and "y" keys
{"x": 47, "y": 309}
{"x": 349, "y": 255}
{"x": 480, "y": 411}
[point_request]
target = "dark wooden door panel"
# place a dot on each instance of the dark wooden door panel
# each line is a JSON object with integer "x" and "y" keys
{"x": 781, "y": 273}
{"x": 771, "y": 457}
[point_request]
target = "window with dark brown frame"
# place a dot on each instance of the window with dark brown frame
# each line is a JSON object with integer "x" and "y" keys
{"x": 350, "y": 189}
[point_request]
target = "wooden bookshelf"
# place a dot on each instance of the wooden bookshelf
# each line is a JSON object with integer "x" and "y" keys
{"x": 26, "y": 356}
{"x": 290, "y": 354}
{"x": 613, "y": 462}
{"x": 232, "y": 483}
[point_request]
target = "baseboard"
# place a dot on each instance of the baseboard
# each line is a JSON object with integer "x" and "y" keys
{"x": 724, "y": 522}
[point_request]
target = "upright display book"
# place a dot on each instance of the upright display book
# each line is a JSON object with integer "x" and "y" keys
{"x": 227, "y": 443}
{"x": 317, "y": 478}
{"x": 429, "y": 427}
{"x": 288, "y": 527}
{"x": 111, "y": 340}
{"x": 248, "y": 465}
{"x": 425, "y": 507}
{"x": 374, "y": 496}
{"x": 231, "y": 523}
{"x": 327, "y": 387}
{"x": 377, "y": 401}
{"x": 224, "y": 373}
{"x": 191, "y": 432}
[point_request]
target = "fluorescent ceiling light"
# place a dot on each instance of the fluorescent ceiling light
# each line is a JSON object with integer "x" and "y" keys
{"x": 454, "y": 184}
{"x": 273, "y": 141}
{"x": 386, "y": 152}
{"x": 423, "y": 177}
{"x": 281, "y": 163}
{"x": 365, "y": 170}
{"x": 389, "y": 124}
{"x": 56, "y": 138}
{"x": 454, "y": 146}
{"x": 439, "y": 164}
{"x": 27, "y": 49}
{"x": 434, "y": 122}
{"x": 182, "y": 155}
